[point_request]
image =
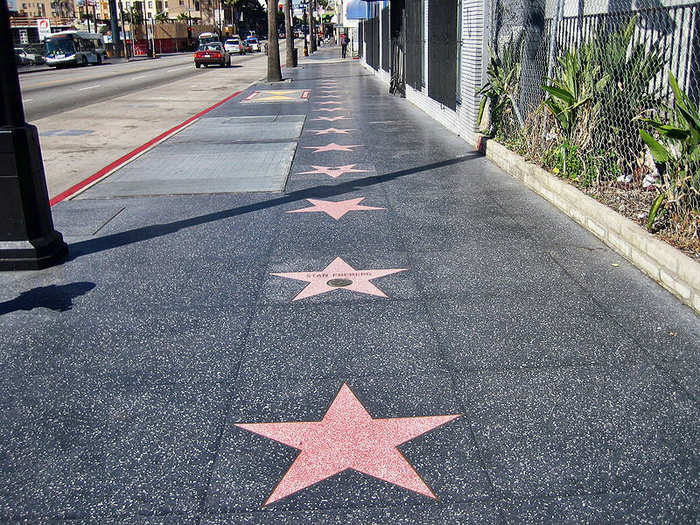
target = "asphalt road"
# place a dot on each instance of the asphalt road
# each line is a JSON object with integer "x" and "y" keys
{"x": 51, "y": 92}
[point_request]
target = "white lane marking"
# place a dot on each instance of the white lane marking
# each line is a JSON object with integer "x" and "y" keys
{"x": 178, "y": 69}
{"x": 28, "y": 99}
{"x": 141, "y": 76}
{"x": 89, "y": 87}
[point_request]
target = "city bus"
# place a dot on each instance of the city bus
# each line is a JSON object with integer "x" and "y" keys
{"x": 74, "y": 48}
{"x": 208, "y": 38}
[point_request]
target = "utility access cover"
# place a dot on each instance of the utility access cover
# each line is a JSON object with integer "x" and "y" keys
{"x": 214, "y": 155}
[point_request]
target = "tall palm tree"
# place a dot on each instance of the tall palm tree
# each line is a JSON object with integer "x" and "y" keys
{"x": 289, "y": 32}
{"x": 274, "y": 71}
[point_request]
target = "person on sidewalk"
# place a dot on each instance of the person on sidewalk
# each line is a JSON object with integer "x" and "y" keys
{"x": 344, "y": 41}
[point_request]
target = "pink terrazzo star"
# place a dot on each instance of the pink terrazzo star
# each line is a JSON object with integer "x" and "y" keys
{"x": 348, "y": 438}
{"x": 333, "y": 147}
{"x": 335, "y": 209}
{"x": 336, "y": 272}
{"x": 331, "y": 119}
{"x": 333, "y": 172}
{"x": 331, "y": 130}
{"x": 337, "y": 108}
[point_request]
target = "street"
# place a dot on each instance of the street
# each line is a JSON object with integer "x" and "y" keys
{"x": 51, "y": 92}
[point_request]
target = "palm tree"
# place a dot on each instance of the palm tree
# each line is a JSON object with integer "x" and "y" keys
{"x": 274, "y": 72}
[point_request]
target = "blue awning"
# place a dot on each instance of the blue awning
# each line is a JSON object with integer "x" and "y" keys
{"x": 357, "y": 10}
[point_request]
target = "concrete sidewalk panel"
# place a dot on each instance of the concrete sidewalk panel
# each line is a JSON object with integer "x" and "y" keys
{"x": 201, "y": 168}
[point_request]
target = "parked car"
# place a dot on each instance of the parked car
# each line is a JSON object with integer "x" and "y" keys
{"x": 253, "y": 43}
{"x": 212, "y": 53}
{"x": 234, "y": 45}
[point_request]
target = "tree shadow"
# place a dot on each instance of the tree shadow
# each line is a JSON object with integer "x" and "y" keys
{"x": 54, "y": 297}
{"x": 144, "y": 233}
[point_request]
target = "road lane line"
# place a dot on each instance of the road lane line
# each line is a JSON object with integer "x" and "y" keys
{"x": 89, "y": 87}
{"x": 28, "y": 99}
{"x": 141, "y": 76}
{"x": 114, "y": 166}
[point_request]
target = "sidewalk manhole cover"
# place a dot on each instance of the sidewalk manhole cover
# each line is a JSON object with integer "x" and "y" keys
{"x": 337, "y": 283}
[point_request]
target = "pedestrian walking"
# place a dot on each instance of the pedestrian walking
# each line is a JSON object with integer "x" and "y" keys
{"x": 344, "y": 40}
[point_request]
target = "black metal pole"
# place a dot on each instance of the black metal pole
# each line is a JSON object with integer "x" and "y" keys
{"x": 28, "y": 240}
{"x": 116, "y": 38}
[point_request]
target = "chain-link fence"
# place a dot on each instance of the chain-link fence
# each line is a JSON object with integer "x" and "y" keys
{"x": 581, "y": 78}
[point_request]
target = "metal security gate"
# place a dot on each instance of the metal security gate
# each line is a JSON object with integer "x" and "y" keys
{"x": 442, "y": 52}
{"x": 386, "y": 40}
{"x": 370, "y": 34}
{"x": 415, "y": 40}
{"x": 397, "y": 86}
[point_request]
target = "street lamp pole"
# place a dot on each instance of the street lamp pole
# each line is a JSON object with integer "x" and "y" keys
{"x": 28, "y": 240}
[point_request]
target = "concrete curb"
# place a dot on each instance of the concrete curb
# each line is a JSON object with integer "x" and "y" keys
{"x": 668, "y": 266}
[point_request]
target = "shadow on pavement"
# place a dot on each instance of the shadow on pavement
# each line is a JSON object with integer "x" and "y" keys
{"x": 53, "y": 297}
{"x": 144, "y": 233}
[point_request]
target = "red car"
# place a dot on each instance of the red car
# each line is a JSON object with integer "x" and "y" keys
{"x": 212, "y": 53}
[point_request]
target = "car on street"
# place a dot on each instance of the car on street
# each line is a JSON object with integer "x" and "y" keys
{"x": 29, "y": 56}
{"x": 212, "y": 53}
{"x": 253, "y": 43}
{"x": 234, "y": 45}
{"x": 21, "y": 58}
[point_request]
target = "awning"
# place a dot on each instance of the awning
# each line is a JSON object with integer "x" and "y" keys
{"x": 357, "y": 10}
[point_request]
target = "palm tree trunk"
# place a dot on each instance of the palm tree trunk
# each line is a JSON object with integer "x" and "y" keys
{"x": 274, "y": 72}
{"x": 289, "y": 33}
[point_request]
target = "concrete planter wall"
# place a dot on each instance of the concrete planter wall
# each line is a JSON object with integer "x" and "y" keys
{"x": 670, "y": 267}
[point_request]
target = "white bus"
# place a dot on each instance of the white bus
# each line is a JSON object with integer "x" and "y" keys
{"x": 207, "y": 38}
{"x": 74, "y": 48}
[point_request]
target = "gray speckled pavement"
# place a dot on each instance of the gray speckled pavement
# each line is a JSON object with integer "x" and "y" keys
{"x": 148, "y": 379}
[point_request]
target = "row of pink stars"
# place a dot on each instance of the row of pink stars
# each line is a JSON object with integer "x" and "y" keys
{"x": 348, "y": 437}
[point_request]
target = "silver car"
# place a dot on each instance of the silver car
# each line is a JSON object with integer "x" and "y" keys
{"x": 234, "y": 45}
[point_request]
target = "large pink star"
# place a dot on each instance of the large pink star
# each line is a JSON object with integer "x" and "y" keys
{"x": 335, "y": 209}
{"x": 333, "y": 172}
{"x": 348, "y": 438}
{"x": 331, "y": 119}
{"x": 333, "y": 147}
{"x": 331, "y": 130}
{"x": 339, "y": 274}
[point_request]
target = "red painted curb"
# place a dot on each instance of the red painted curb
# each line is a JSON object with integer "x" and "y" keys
{"x": 95, "y": 176}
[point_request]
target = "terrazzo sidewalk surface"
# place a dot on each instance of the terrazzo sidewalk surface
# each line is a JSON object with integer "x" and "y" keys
{"x": 452, "y": 348}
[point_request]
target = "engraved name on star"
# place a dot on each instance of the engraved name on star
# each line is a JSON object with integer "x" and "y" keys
{"x": 333, "y": 147}
{"x": 331, "y": 130}
{"x": 335, "y": 209}
{"x": 348, "y": 438}
{"x": 334, "y": 172}
{"x": 339, "y": 274}
{"x": 332, "y": 119}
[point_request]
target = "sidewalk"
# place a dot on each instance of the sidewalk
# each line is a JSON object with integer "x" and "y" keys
{"x": 332, "y": 255}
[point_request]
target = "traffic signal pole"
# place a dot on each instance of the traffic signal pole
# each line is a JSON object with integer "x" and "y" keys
{"x": 28, "y": 240}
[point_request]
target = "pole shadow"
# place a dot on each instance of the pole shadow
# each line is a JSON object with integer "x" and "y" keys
{"x": 145, "y": 233}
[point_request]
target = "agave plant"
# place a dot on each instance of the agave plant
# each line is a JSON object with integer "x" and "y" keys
{"x": 502, "y": 88}
{"x": 567, "y": 95}
{"x": 620, "y": 73}
{"x": 678, "y": 154}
